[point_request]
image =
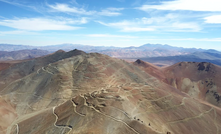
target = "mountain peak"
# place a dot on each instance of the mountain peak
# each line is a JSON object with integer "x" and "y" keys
{"x": 144, "y": 64}
{"x": 138, "y": 61}
{"x": 60, "y": 51}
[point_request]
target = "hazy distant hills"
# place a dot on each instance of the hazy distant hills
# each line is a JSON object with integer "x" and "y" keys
{"x": 53, "y": 48}
{"x": 153, "y": 53}
{"x": 211, "y": 56}
{"x": 147, "y": 50}
{"x": 10, "y": 47}
{"x": 22, "y": 54}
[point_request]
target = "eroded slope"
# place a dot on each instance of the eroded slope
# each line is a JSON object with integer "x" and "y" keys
{"x": 93, "y": 93}
{"x": 198, "y": 79}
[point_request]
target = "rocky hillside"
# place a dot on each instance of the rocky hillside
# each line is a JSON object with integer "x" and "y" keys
{"x": 198, "y": 79}
{"x": 80, "y": 93}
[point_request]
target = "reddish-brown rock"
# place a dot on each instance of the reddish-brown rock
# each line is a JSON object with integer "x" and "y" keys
{"x": 79, "y": 93}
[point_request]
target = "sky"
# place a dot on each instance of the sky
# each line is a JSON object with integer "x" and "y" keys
{"x": 122, "y": 23}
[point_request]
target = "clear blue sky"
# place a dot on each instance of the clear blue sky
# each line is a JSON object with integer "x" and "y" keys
{"x": 186, "y": 23}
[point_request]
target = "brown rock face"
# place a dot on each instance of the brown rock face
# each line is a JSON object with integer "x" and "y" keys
{"x": 199, "y": 80}
{"x": 151, "y": 69}
{"x": 79, "y": 93}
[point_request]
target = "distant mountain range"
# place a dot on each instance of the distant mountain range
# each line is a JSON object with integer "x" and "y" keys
{"x": 22, "y": 54}
{"x": 147, "y": 50}
{"x": 53, "y": 48}
{"x": 211, "y": 56}
{"x": 154, "y": 53}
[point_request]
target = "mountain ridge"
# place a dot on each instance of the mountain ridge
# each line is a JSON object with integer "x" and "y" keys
{"x": 76, "y": 92}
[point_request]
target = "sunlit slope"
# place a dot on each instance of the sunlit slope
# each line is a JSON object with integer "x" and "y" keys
{"x": 94, "y": 93}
